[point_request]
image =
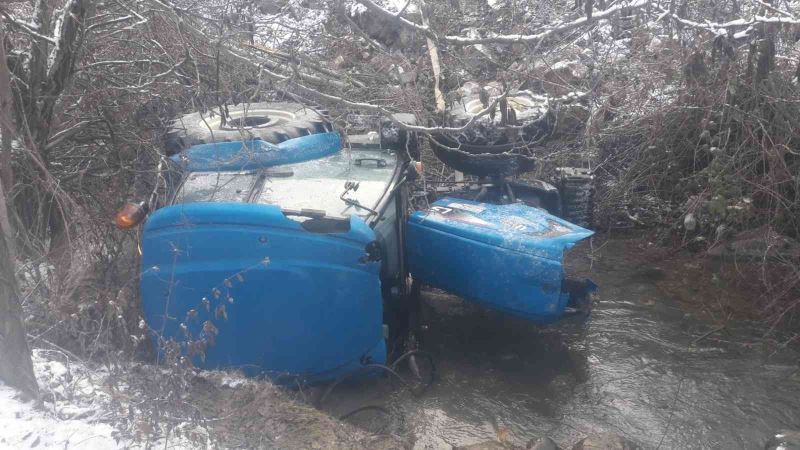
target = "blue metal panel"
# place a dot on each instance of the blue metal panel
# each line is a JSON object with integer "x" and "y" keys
{"x": 296, "y": 303}
{"x": 506, "y": 257}
{"x": 251, "y": 155}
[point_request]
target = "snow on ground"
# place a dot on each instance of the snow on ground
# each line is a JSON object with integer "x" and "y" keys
{"x": 22, "y": 425}
{"x": 75, "y": 412}
{"x": 70, "y": 415}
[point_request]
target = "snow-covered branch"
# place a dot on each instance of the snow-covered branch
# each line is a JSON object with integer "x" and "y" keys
{"x": 725, "y": 27}
{"x": 548, "y": 32}
{"x": 121, "y": 63}
{"x": 26, "y": 27}
{"x": 507, "y": 38}
{"x": 109, "y": 22}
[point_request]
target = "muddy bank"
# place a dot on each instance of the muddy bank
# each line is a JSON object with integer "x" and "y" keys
{"x": 718, "y": 285}
{"x": 257, "y": 414}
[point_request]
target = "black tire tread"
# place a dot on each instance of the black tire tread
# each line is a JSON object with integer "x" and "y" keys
{"x": 484, "y": 150}
{"x": 185, "y": 132}
{"x": 577, "y": 200}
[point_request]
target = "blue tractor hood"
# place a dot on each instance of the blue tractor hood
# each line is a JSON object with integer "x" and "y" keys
{"x": 506, "y": 257}
{"x": 515, "y": 227}
{"x": 256, "y": 154}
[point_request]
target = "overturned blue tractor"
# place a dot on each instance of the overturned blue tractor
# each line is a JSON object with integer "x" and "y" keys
{"x": 288, "y": 254}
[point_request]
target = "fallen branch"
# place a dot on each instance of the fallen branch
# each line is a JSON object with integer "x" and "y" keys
{"x": 383, "y": 111}
{"x": 433, "y": 52}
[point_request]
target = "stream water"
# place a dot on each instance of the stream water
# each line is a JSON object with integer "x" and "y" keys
{"x": 642, "y": 366}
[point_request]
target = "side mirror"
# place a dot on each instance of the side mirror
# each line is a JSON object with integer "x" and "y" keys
{"x": 131, "y": 215}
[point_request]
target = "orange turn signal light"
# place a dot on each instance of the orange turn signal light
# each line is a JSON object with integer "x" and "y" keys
{"x": 130, "y": 215}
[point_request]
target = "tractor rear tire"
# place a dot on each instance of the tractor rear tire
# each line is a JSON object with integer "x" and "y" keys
{"x": 576, "y": 188}
{"x": 271, "y": 122}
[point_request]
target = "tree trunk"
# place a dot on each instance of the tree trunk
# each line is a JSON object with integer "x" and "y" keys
{"x": 16, "y": 367}
{"x": 6, "y": 175}
{"x": 6, "y": 112}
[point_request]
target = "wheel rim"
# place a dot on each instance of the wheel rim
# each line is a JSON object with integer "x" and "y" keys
{"x": 521, "y": 105}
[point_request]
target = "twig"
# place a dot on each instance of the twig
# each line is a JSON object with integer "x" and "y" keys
{"x": 671, "y": 413}
{"x": 61, "y": 349}
{"x": 705, "y": 335}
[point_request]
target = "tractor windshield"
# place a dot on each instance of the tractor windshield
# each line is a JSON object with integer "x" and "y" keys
{"x": 343, "y": 184}
{"x": 321, "y": 184}
{"x": 216, "y": 187}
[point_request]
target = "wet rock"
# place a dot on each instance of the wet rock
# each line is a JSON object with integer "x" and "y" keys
{"x": 784, "y": 440}
{"x": 605, "y": 441}
{"x": 544, "y": 443}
